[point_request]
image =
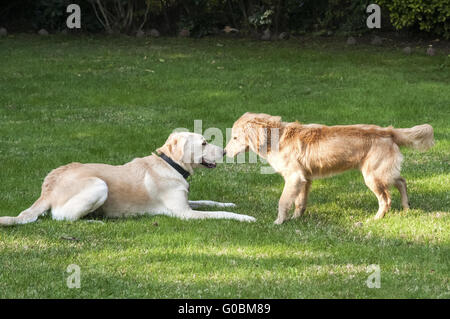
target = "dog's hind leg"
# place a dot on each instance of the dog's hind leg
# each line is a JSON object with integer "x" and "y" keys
{"x": 29, "y": 215}
{"x": 400, "y": 183}
{"x": 381, "y": 170}
{"x": 209, "y": 203}
{"x": 302, "y": 199}
{"x": 384, "y": 202}
{"x": 92, "y": 194}
{"x": 381, "y": 191}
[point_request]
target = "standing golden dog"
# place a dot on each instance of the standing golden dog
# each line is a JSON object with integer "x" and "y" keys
{"x": 301, "y": 153}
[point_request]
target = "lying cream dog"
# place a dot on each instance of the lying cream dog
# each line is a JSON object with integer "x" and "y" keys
{"x": 150, "y": 185}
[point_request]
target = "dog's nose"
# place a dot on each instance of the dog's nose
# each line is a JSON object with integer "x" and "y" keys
{"x": 224, "y": 152}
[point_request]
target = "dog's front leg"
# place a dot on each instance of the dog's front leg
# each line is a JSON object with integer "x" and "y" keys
{"x": 178, "y": 205}
{"x": 209, "y": 203}
{"x": 291, "y": 189}
{"x": 195, "y": 214}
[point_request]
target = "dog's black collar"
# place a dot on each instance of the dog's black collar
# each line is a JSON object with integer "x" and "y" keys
{"x": 177, "y": 167}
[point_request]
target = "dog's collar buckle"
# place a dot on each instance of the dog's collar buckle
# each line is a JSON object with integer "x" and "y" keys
{"x": 177, "y": 167}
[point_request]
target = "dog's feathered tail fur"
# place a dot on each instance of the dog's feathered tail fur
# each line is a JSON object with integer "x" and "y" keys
{"x": 419, "y": 137}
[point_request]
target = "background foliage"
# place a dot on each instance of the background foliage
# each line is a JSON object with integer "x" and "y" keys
{"x": 426, "y": 15}
{"x": 203, "y": 17}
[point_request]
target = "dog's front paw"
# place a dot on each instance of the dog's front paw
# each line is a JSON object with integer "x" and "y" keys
{"x": 278, "y": 221}
{"x": 249, "y": 219}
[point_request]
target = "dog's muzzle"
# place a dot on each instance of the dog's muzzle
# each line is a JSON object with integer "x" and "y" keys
{"x": 207, "y": 164}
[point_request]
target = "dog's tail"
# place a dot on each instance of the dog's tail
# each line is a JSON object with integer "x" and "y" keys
{"x": 419, "y": 137}
{"x": 27, "y": 216}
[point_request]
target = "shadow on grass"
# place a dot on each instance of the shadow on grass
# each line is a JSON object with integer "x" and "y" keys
{"x": 348, "y": 190}
{"x": 280, "y": 266}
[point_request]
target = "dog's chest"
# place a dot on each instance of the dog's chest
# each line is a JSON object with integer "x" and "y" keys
{"x": 150, "y": 186}
{"x": 155, "y": 188}
{"x": 277, "y": 161}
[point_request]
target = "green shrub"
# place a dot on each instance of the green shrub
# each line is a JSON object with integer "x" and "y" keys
{"x": 50, "y": 14}
{"x": 346, "y": 15}
{"x": 431, "y": 16}
{"x": 203, "y": 17}
{"x": 322, "y": 15}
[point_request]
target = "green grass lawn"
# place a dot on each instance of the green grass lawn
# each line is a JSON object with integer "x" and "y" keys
{"x": 109, "y": 100}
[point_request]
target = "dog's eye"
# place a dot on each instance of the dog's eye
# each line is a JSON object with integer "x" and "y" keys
{"x": 235, "y": 138}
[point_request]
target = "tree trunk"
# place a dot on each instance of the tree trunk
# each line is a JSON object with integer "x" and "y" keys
{"x": 277, "y": 15}
{"x": 166, "y": 16}
{"x": 230, "y": 9}
{"x": 244, "y": 13}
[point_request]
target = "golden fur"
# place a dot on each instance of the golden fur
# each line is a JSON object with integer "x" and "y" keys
{"x": 301, "y": 153}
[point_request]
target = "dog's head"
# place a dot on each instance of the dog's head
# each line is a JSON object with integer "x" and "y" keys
{"x": 190, "y": 150}
{"x": 252, "y": 131}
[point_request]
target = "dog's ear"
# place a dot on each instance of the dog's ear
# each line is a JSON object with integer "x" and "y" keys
{"x": 174, "y": 147}
{"x": 259, "y": 131}
{"x": 178, "y": 148}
